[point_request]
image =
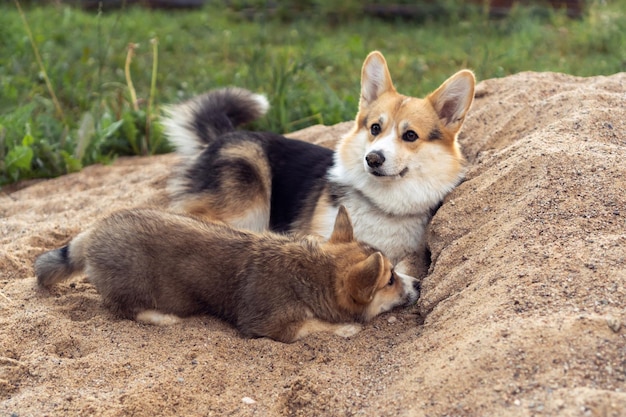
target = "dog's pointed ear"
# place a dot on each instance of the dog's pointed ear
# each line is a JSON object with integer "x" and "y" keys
{"x": 342, "y": 232}
{"x": 364, "y": 278}
{"x": 375, "y": 79}
{"x": 453, "y": 99}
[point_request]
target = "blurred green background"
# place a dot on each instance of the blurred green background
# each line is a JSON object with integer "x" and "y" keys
{"x": 71, "y": 93}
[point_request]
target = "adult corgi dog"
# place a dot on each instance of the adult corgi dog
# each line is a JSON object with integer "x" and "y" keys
{"x": 155, "y": 267}
{"x": 390, "y": 171}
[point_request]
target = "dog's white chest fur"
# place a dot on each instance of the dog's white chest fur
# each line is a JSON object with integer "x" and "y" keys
{"x": 396, "y": 236}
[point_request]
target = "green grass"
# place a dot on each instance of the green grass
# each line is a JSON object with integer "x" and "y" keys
{"x": 308, "y": 67}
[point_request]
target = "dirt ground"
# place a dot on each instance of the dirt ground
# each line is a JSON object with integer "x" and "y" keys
{"x": 522, "y": 312}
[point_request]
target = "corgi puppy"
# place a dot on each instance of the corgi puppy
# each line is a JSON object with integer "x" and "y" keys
{"x": 155, "y": 267}
{"x": 391, "y": 171}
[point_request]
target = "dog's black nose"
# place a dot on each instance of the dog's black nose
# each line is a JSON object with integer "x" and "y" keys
{"x": 375, "y": 159}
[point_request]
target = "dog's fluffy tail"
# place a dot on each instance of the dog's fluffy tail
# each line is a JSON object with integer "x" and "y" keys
{"x": 194, "y": 124}
{"x": 60, "y": 264}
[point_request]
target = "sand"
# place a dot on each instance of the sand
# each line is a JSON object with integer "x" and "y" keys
{"x": 522, "y": 312}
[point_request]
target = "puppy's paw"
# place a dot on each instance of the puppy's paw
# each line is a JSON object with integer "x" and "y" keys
{"x": 348, "y": 330}
{"x": 157, "y": 318}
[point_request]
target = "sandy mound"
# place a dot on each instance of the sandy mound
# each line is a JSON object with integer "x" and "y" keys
{"x": 523, "y": 305}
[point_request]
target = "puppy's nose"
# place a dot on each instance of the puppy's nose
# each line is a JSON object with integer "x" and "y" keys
{"x": 417, "y": 286}
{"x": 375, "y": 159}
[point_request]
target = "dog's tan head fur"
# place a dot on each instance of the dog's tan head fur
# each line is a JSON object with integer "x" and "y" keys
{"x": 402, "y": 152}
{"x": 366, "y": 284}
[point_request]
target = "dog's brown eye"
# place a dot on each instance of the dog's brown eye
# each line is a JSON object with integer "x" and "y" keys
{"x": 409, "y": 136}
{"x": 375, "y": 129}
{"x": 392, "y": 279}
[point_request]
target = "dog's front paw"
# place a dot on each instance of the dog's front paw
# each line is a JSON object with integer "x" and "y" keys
{"x": 156, "y": 318}
{"x": 347, "y": 330}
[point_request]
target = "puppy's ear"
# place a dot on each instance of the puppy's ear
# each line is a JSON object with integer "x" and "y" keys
{"x": 453, "y": 99}
{"x": 364, "y": 278}
{"x": 375, "y": 79}
{"x": 342, "y": 232}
